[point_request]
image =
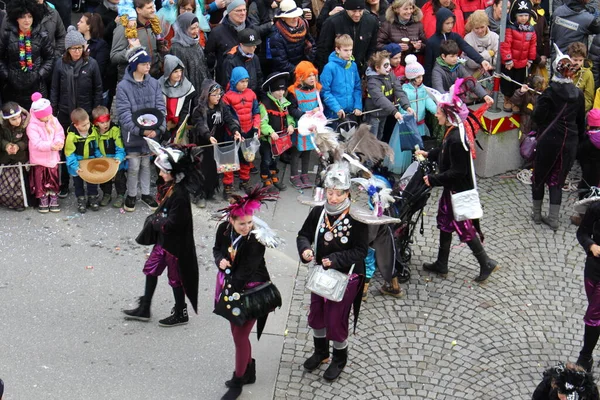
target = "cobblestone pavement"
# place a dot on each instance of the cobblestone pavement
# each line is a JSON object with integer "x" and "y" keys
{"x": 527, "y": 317}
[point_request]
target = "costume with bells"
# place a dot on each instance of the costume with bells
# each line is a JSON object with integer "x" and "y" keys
{"x": 454, "y": 162}
{"x": 172, "y": 223}
{"x": 343, "y": 240}
{"x": 560, "y": 116}
{"x": 247, "y": 269}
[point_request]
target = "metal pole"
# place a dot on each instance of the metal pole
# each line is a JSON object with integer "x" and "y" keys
{"x": 496, "y": 108}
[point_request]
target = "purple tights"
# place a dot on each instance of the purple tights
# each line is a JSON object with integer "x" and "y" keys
{"x": 243, "y": 348}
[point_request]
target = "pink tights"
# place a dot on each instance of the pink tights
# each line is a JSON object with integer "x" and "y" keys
{"x": 243, "y": 348}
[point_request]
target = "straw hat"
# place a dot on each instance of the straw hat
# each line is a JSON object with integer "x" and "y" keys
{"x": 98, "y": 170}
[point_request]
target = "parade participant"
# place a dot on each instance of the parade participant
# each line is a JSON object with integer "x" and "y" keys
{"x": 341, "y": 242}
{"x": 560, "y": 117}
{"x": 210, "y": 120}
{"x": 566, "y": 382}
{"x": 240, "y": 257}
{"x": 46, "y": 139}
{"x": 588, "y": 236}
{"x": 82, "y": 144}
{"x": 304, "y": 98}
{"x": 455, "y": 175}
{"x": 13, "y": 151}
{"x": 171, "y": 231}
{"x": 275, "y": 121}
{"x": 110, "y": 144}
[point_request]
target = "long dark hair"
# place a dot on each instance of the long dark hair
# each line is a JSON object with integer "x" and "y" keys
{"x": 182, "y": 3}
{"x": 94, "y": 20}
{"x": 15, "y": 9}
{"x": 437, "y": 5}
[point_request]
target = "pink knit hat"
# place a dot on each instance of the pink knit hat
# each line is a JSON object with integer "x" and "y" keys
{"x": 40, "y": 107}
{"x": 593, "y": 117}
{"x": 413, "y": 68}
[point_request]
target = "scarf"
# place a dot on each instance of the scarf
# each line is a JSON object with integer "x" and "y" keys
{"x": 72, "y": 71}
{"x": 182, "y": 37}
{"x": 25, "y": 58}
{"x": 338, "y": 208}
{"x": 292, "y": 34}
{"x": 240, "y": 27}
{"x": 443, "y": 63}
{"x": 246, "y": 55}
{"x": 402, "y": 22}
{"x": 110, "y": 6}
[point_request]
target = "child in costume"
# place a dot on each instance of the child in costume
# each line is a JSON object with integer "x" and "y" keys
{"x": 170, "y": 228}
{"x": 81, "y": 144}
{"x": 13, "y": 151}
{"x": 110, "y": 144}
{"x": 383, "y": 92}
{"x": 244, "y": 106}
{"x": 275, "y": 121}
{"x": 341, "y": 241}
{"x": 211, "y": 120}
{"x": 239, "y": 254}
{"x": 305, "y": 99}
{"x": 46, "y": 139}
{"x": 566, "y": 381}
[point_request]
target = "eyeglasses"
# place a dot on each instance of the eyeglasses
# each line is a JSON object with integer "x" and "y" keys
{"x": 77, "y": 48}
{"x": 186, "y": 9}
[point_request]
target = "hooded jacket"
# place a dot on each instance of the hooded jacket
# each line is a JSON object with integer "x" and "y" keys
{"x": 79, "y": 148}
{"x": 15, "y": 135}
{"x": 84, "y": 91}
{"x": 363, "y": 34}
{"x": 519, "y": 46}
{"x": 42, "y": 136}
{"x": 420, "y": 102}
{"x": 209, "y": 122}
{"x": 392, "y": 31}
{"x": 432, "y": 51}
{"x": 382, "y": 92}
{"x": 243, "y": 105}
{"x": 572, "y": 22}
{"x": 431, "y": 22}
{"x": 342, "y": 88}
{"x": 274, "y": 116}
{"x": 494, "y": 25}
{"x": 444, "y": 76}
{"x": 132, "y": 96}
{"x": 191, "y": 56}
{"x": 178, "y": 99}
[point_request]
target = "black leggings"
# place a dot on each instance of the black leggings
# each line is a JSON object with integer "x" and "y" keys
{"x": 537, "y": 193}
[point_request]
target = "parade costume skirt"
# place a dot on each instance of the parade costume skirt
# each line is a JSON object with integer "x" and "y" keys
{"x": 331, "y": 315}
{"x": 592, "y": 314}
{"x": 445, "y": 220}
{"x": 43, "y": 180}
{"x": 159, "y": 260}
{"x": 12, "y": 192}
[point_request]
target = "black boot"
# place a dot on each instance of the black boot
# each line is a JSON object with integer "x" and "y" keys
{"x": 320, "y": 356}
{"x": 248, "y": 378}
{"x": 440, "y": 266}
{"x": 179, "y": 314}
{"x": 141, "y": 313}
{"x": 590, "y": 339}
{"x": 235, "y": 390}
{"x": 486, "y": 264}
{"x": 338, "y": 362}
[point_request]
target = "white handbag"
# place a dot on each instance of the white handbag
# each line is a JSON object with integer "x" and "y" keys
{"x": 328, "y": 283}
{"x": 466, "y": 205}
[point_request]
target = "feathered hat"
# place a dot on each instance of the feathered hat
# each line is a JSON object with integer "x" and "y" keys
{"x": 241, "y": 206}
{"x": 574, "y": 383}
{"x": 563, "y": 66}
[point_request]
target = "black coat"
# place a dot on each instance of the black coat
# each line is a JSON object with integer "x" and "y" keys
{"x": 454, "y": 164}
{"x": 559, "y": 137}
{"x": 324, "y": 14}
{"x": 252, "y": 65}
{"x": 99, "y": 50}
{"x": 588, "y": 234}
{"x": 18, "y": 84}
{"x": 342, "y": 255}
{"x": 176, "y": 235}
{"x": 88, "y": 87}
{"x": 249, "y": 262}
{"x": 284, "y": 54}
{"x": 363, "y": 33}
{"x": 108, "y": 19}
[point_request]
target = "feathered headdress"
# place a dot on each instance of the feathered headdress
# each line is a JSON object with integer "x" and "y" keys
{"x": 366, "y": 146}
{"x": 564, "y": 69}
{"x": 250, "y": 203}
{"x": 575, "y": 384}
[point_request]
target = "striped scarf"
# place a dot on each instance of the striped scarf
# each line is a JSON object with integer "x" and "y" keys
{"x": 292, "y": 34}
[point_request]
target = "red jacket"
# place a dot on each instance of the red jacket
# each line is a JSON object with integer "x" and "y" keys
{"x": 430, "y": 23}
{"x": 469, "y": 6}
{"x": 518, "y": 46}
{"x": 244, "y": 106}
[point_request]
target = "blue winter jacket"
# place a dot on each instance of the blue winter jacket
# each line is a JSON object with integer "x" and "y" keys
{"x": 133, "y": 96}
{"x": 341, "y": 86}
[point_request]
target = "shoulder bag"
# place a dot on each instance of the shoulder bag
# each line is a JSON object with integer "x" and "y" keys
{"x": 466, "y": 204}
{"x": 528, "y": 145}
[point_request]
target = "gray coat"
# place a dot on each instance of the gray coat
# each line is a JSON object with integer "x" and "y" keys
{"x": 52, "y": 24}
{"x": 133, "y": 96}
{"x": 120, "y": 45}
{"x": 382, "y": 92}
{"x": 572, "y": 22}
{"x": 594, "y": 57}
{"x": 194, "y": 62}
{"x": 442, "y": 78}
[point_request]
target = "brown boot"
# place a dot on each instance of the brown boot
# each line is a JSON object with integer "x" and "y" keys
{"x": 365, "y": 292}
{"x": 392, "y": 289}
{"x": 508, "y": 106}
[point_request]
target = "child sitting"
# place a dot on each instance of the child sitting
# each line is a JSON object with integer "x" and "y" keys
{"x": 383, "y": 92}
{"x": 274, "y": 121}
{"x": 244, "y": 106}
{"x": 110, "y": 144}
{"x": 304, "y": 98}
{"x": 128, "y": 17}
{"x": 46, "y": 139}
{"x": 447, "y": 70}
{"x": 416, "y": 93}
{"x": 13, "y": 150}
{"x": 518, "y": 51}
{"x": 342, "y": 91}
{"x": 583, "y": 79}
{"x": 81, "y": 144}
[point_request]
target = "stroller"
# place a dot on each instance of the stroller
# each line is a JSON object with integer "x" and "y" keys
{"x": 412, "y": 194}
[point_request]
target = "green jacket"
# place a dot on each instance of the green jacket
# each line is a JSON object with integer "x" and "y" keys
{"x": 274, "y": 117}
{"x": 79, "y": 148}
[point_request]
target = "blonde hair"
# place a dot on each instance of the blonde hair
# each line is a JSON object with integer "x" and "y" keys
{"x": 98, "y": 111}
{"x": 378, "y": 58}
{"x": 79, "y": 115}
{"x": 343, "y": 41}
{"x": 390, "y": 13}
{"x": 478, "y": 18}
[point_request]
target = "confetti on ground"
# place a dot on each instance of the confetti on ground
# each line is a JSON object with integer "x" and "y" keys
{"x": 89, "y": 267}
{"x": 453, "y": 343}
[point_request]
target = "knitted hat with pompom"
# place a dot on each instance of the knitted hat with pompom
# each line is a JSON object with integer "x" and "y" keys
{"x": 413, "y": 68}
{"x": 40, "y": 107}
